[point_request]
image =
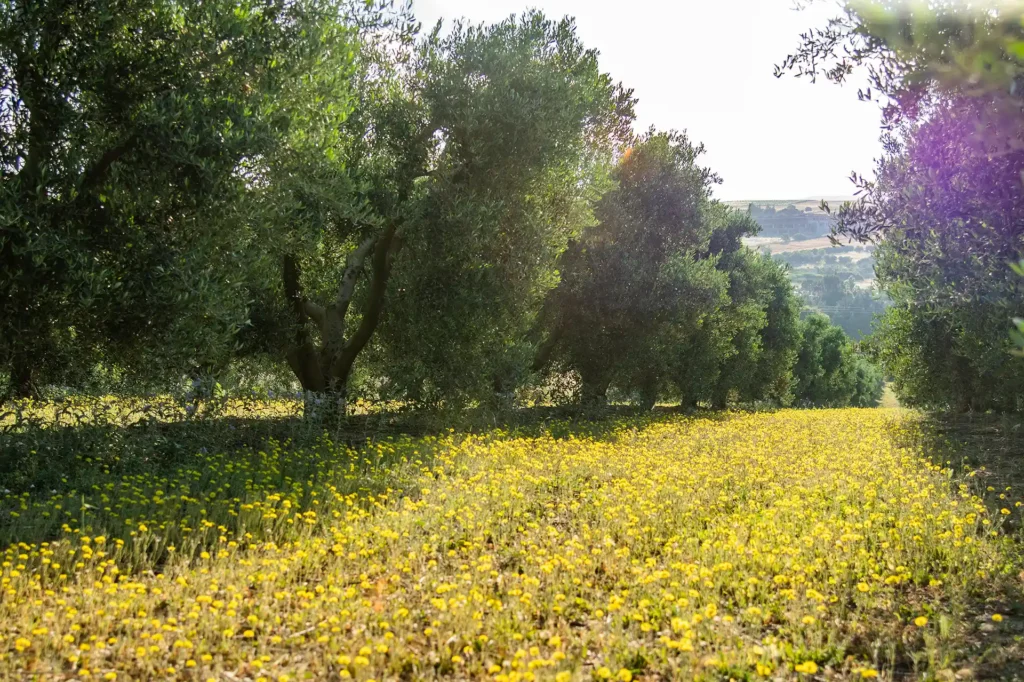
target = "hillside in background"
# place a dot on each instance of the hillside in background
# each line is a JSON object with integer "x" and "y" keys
{"x": 838, "y": 280}
{"x": 813, "y": 203}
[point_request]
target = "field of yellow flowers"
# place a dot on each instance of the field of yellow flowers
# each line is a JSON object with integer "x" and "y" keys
{"x": 798, "y": 544}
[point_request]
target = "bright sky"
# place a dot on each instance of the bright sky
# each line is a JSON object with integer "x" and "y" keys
{"x": 706, "y": 66}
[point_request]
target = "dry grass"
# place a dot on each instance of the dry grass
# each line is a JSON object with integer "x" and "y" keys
{"x": 889, "y": 399}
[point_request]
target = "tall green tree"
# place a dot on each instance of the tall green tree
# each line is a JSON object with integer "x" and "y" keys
{"x": 468, "y": 163}
{"x": 661, "y": 300}
{"x": 637, "y": 270}
{"x": 766, "y": 336}
{"x": 952, "y": 206}
{"x": 947, "y": 198}
{"x": 127, "y": 129}
{"x": 743, "y": 349}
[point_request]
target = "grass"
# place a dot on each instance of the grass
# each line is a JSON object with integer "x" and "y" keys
{"x": 817, "y": 544}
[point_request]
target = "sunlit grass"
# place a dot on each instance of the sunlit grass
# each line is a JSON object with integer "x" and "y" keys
{"x": 817, "y": 543}
{"x": 889, "y": 399}
{"x": 119, "y": 411}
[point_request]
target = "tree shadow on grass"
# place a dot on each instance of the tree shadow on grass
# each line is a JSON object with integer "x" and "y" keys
{"x": 52, "y": 474}
{"x": 37, "y": 456}
{"x": 986, "y": 452}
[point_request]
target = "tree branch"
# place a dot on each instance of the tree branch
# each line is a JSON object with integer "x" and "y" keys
{"x": 95, "y": 174}
{"x": 302, "y": 357}
{"x": 381, "y": 264}
{"x": 290, "y": 274}
{"x": 353, "y": 266}
{"x": 301, "y": 306}
{"x": 314, "y": 312}
{"x": 546, "y": 349}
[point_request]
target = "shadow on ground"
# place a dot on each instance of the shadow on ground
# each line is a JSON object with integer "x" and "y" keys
{"x": 987, "y": 451}
{"x": 39, "y": 456}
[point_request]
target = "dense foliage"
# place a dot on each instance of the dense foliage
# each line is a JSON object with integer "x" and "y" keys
{"x": 749, "y": 345}
{"x": 202, "y": 195}
{"x": 642, "y": 270}
{"x": 954, "y": 210}
{"x": 125, "y": 131}
{"x": 523, "y": 124}
{"x": 461, "y": 155}
{"x": 947, "y": 204}
{"x": 829, "y": 372}
{"x": 314, "y": 196}
{"x": 662, "y": 301}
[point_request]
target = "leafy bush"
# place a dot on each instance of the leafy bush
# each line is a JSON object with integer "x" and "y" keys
{"x": 828, "y": 370}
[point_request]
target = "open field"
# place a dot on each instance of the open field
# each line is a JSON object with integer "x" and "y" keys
{"x": 800, "y": 204}
{"x": 818, "y": 544}
{"x": 777, "y": 245}
{"x": 802, "y": 245}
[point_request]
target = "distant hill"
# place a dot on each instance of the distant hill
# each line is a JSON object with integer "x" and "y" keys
{"x": 813, "y": 203}
{"x": 835, "y": 280}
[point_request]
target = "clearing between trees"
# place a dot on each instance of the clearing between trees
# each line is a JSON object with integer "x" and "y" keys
{"x": 817, "y": 544}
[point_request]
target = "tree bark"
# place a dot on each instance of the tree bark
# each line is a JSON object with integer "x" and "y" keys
{"x": 23, "y": 379}
{"x": 962, "y": 393}
{"x": 302, "y": 357}
{"x": 546, "y": 349}
{"x": 594, "y": 392}
{"x": 325, "y": 371}
{"x": 341, "y": 365}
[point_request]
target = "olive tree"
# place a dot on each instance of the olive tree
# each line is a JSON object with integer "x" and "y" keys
{"x": 467, "y": 164}
{"x": 638, "y": 270}
{"x": 126, "y": 133}
{"x": 946, "y": 201}
{"x": 661, "y": 299}
{"x": 829, "y": 372}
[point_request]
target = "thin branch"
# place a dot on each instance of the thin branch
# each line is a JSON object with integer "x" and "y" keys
{"x": 381, "y": 264}
{"x": 95, "y": 174}
{"x": 353, "y": 266}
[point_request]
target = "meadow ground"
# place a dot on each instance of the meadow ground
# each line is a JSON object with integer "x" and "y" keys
{"x": 889, "y": 399}
{"x": 825, "y": 544}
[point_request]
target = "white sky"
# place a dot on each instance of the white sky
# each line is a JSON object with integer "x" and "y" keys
{"x": 706, "y": 66}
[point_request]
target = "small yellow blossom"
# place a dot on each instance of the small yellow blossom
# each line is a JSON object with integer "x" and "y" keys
{"x": 809, "y": 667}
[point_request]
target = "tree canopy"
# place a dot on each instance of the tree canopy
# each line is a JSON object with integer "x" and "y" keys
{"x": 127, "y": 132}
{"x": 318, "y": 188}
{"x": 946, "y": 201}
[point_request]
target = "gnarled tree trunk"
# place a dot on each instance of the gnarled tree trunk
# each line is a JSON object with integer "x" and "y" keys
{"x": 323, "y": 369}
{"x": 594, "y": 389}
{"x": 23, "y": 381}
